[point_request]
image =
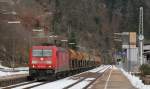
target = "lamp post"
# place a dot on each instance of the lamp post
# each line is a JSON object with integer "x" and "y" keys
{"x": 64, "y": 42}
{"x": 71, "y": 44}
{"x": 81, "y": 47}
{"x": 141, "y": 36}
{"x": 13, "y": 44}
{"x": 53, "y": 37}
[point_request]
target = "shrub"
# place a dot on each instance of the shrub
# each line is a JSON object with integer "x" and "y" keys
{"x": 145, "y": 69}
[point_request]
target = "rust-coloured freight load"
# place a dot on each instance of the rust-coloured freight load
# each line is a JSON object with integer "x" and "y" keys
{"x": 80, "y": 59}
{"x": 73, "y": 59}
{"x": 87, "y": 59}
{"x": 72, "y": 54}
{"x": 79, "y": 55}
{"x": 85, "y": 56}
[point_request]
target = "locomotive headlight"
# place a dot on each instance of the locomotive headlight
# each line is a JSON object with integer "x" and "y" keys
{"x": 33, "y": 66}
{"x": 41, "y": 59}
{"x": 34, "y": 62}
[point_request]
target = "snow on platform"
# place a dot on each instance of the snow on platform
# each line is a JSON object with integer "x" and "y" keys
{"x": 135, "y": 81}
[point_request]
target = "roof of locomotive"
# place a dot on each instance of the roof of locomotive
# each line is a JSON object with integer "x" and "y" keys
{"x": 41, "y": 47}
{"x": 48, "y": 47}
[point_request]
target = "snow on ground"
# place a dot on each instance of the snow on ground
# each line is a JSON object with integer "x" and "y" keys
{"x": 135, "y": 81}
{"x": 59, "y": 84}
{"x": 18, "y": 68}
{"x": 32, "y": 84}
{"x": 106, "y": 67}
{"x": 12, "y": 73}
{"x": 22, "y": 68}
{"x": 97, "y": 69}
{"x": 102, "y": 68}
{"x": 3, "y": 67}
{"x": 5, "y": 71}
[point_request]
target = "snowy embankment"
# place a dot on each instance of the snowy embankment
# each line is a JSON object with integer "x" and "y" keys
{"x": 6, "y": 71}
{"x": 135, "y": 81}
{"x": 3, "y": 67}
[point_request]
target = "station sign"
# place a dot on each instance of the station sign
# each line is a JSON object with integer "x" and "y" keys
{"x": 132, "y": 39}
{"x": 129, "y": 40}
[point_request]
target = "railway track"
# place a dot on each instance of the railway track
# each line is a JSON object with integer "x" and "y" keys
{"x": 12, "y": 79}
{"x": 35, "y": 85}
{"x": 17, "y": 85}
{"x": 26, "y": 85}
{"x": 87, "y": 79}
{"x": 85, "y": 76}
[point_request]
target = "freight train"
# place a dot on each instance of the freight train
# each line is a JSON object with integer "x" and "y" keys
{"x": 49, "y": 61}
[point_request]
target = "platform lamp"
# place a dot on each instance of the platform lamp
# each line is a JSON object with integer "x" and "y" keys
{"x": 141, "y": 36}
{"x": 13, "y": 43}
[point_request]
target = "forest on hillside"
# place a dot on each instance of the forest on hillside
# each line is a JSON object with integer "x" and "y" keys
{"x": 93, "y": 22}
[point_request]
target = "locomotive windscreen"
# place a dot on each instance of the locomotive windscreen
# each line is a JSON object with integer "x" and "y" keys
{"x": 41, "y": 53}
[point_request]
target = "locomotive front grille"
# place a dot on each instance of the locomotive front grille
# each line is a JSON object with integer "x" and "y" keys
{"x": 41, "y": 72}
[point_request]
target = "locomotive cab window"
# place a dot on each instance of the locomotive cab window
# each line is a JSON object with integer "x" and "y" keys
{"x": 47, "y": 52}
{"x": 37, "y": 53}
{"x": 40, "y": 53}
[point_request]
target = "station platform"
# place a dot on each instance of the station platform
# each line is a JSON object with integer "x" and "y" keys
{"x": 112, "y": 79}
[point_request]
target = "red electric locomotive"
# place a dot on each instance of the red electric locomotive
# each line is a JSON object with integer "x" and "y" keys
{"x": 47, "y": 60}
